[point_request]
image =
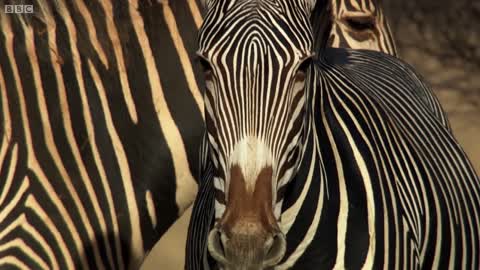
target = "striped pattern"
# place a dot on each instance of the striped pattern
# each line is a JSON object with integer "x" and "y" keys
{"x": 235, "y": 120}
{"x": 382, "y": 182}
{"x": 253, "y": 118}
{"x": 97, "y": 146}
{"x": 203, "y": 214}
{"x": 393, "y": 188}
{"x": 104, "y": 73}
{"x": 360, "y": 24}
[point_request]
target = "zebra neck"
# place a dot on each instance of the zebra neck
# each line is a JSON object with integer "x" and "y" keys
{"x": 304, "y": 188}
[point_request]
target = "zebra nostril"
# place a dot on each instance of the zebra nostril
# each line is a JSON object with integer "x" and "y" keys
{"x": 216, "y": 242}
{"x": 276, "y": 247}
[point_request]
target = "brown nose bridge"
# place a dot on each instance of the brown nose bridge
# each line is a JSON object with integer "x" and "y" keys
{"x": 249, "y": 211}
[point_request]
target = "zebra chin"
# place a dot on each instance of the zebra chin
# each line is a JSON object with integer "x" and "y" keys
{"x": 246, "y": 251}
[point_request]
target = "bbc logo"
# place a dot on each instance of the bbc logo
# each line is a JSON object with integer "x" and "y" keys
{"x": 18, "y": 8}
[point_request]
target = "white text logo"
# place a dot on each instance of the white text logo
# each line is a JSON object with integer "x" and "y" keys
{"x": 18, "y": 8}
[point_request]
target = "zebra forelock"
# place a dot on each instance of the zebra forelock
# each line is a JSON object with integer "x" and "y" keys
{"x": 255, "y": 99}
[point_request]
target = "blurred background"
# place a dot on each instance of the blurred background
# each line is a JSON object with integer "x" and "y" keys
{"x": 440, "y": 39}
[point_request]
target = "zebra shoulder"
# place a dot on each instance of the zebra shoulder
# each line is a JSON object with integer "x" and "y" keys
{"x": 396, "y": 71}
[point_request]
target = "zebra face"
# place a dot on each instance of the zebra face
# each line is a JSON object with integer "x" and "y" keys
{"x": 361, "y": 24}
{"x": 256, "y": 57}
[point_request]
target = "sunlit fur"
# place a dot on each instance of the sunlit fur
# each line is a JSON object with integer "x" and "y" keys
{"x": 100, "y": 123}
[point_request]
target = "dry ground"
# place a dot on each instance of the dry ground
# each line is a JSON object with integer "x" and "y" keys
{"x": 464, "y": 117}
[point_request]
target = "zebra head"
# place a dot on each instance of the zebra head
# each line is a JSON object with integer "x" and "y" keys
{"x": 360, "y": 24}
{"x": 256, "y": 57}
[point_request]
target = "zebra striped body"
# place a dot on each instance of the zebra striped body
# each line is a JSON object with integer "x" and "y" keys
{"x": 393, "y": 189}
{"x": 382, "y": 183}
{"x": 101, "y": 114}
{"x": 361, "y": 24}
{"x": 98, "y": 152}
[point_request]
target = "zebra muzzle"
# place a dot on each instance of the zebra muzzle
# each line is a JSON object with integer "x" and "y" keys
{"x": 252, "y": 251}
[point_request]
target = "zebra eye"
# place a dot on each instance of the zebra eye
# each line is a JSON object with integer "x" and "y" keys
{"x": 361, "y": 23}
{"x": 206, "y": 67}
{"x": 302, "y": 69}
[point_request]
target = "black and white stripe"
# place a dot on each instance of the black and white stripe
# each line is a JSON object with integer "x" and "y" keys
{"x": 84, "y": 87}
{"x": 361, "y": 24}
{"x": 417, "y": 202}
{"x": 101, "y": 120}
{"x": 382, "y": 182}
{"x": 247, "y": 102}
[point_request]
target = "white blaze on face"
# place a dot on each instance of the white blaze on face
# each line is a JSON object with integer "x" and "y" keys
{"x": 251, "y": 155}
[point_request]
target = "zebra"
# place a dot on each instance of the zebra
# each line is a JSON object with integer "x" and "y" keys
{"x": 328, "y": 162}
{"x": 101, "y": 120}
{"x": 97, "y": 104}
{"x": 361, "y": 25}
